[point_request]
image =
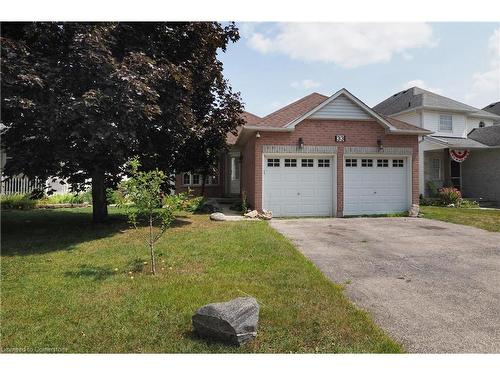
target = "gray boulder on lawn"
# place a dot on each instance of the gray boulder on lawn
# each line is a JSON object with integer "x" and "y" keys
{"x": 234, "y": 322}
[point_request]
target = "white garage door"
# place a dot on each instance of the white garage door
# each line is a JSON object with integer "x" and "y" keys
{"x": 375, "y": 185}
{"x": 298, "y": 185}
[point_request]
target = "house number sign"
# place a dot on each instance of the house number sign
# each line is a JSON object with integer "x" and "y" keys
{"x": 340, "y": 138}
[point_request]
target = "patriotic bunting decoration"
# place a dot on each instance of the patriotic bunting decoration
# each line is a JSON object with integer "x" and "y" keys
{"x": 459, "y": 155}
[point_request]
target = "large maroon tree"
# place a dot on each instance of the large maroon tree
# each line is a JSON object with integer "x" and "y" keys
{"x": 80, "y": 99}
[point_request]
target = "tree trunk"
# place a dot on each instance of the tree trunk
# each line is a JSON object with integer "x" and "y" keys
{"x": 151, "y": 245}
{"x": 203, "y": 185}
{"x": 99, "y": 202}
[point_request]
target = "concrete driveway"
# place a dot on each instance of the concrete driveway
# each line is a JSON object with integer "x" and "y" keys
{"x": 433, "y": 286}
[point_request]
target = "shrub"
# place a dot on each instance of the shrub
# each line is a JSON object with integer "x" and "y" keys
{"x": 17, "y": 202}
{"x": 65, "y": 199}
{"x": 465, "y": 203}
{"x": 433, "y": 190}
{"x": 450, "y": 195}
{"x": 193, "y": 204}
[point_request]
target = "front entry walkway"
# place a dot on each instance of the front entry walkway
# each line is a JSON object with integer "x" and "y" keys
{"x": 432, "y": 285}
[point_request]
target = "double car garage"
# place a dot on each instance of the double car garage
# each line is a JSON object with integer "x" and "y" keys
{"x": 307, "y": 185}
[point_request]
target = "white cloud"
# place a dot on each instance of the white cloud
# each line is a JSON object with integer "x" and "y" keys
{"x": 420, "y": 83}
{"x": 306, "y": 84}
{"x": 260, "y": 43}
{"x": 346, "y": 44}
{"x": 486, "y": 85}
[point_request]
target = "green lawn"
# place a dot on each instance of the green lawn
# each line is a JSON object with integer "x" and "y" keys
{"x": 66, "y": 286}
{"x": 484, "y": 219}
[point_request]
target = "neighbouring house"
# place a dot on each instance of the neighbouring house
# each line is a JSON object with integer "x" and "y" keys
{"x": 450, "y": 155}
{"x": 321, "y": 156}
{"x": 495, "y": 109}
{"x": 481, "y": 170}
{"x": 21, "y": 184}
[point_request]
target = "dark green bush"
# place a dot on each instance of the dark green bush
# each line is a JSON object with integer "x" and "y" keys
{"x": 17, "y": 202}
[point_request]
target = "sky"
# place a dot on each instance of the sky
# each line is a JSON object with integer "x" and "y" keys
{"x": 274, "y": 64}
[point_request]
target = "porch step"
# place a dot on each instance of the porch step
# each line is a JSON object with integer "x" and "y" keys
{"x": 227, "y": 200}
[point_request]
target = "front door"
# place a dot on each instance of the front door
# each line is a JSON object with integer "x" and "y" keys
{"x": 234, "y": 180}
{"x": 456, "y": 174}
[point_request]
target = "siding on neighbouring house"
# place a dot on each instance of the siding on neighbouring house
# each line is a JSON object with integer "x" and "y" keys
{"x": 414, "y": 118}
{"x": 473, "y": 122}
{"x": 430, "y": 121}
{"x": 481, "y": 175}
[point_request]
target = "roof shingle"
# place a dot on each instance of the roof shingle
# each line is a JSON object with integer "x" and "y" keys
{"x": 250, "y": 119}
{"x": 285, "y": 115}
{"x": 489, "y": 135}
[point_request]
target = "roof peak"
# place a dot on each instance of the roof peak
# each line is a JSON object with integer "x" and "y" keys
{"x": 295, "y": 102}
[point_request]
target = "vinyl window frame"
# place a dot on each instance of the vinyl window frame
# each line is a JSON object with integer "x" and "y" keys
{"x": 445, "y": 123}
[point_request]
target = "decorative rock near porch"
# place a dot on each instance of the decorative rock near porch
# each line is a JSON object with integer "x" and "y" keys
{"x": 414, "y": 210}
{"x": 233, "y": 322}
{"x": 252, "y": 214}
{"x": 218, "y": 216}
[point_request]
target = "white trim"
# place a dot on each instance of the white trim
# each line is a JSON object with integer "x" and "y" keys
{"x": 343, "y": 91}
{"x": 333, "y": 156}
{"x": 270, "y": 149}
{"x": 266, "y": 128}
{"x": 439, "y": 109}
{"x": 374, "y": 151}
{"x": 201, "y": 180}
{"x": 409, "y": 172}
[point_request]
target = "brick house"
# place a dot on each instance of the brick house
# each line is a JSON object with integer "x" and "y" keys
{"x": 320, "y": 156}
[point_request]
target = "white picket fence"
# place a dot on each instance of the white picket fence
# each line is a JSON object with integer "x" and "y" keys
{"x": 25, "y": 185}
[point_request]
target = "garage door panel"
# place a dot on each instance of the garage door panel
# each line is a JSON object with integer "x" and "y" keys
{"x": 300, "y": 190}
{"x": 373, "y": 190}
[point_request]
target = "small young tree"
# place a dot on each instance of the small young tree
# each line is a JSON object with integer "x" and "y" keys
{"x": 149, "y": 205}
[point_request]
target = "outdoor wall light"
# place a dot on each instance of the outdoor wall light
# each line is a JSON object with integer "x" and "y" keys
{"x": 380, "y": 144}
{"x": 301, "y": 143}
{"x": 257, "y": 135}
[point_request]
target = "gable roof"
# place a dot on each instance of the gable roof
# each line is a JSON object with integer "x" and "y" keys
{"x": 250, "y": 119}
{"x": 355, "y": 100}
{"x": 493, "y": 108}
{"x": 293, "y": 113}
{"x": 489, "y": 135}
{"x": 416, "y": 97}
{"x": 290, "y": 112}
{"x": 285, "y": 119}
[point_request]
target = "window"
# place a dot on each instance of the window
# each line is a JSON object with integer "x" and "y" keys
{"x": 273, "y": 162}
{"x": 398, "y": 163}
{"x": 235, "y": 168}
{"x": 481, "y": 124}
{"x": 324, "y": 163}
{"x": 351, "y": 162}
{"x": 290, "y": 162}
{"x": 435, "y": 169}
{"x": 445, "y": 123}
{"x": 307, "y": 162}
{"x": 195, "y": 179}
{"x": 382, "y": 163}
{"x": 367, "y": 162}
